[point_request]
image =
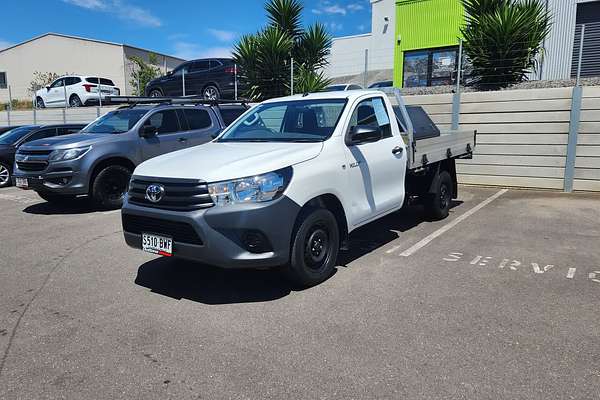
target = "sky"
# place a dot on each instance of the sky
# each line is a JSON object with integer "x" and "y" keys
{"x": 185, "y": 28}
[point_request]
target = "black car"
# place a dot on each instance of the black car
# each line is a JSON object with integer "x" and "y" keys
{"x": 381, "y": 84}
{"x": 212, "y": 78}
{"x": 11, "y": 139}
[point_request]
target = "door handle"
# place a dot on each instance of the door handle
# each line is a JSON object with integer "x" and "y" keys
{"x": 397, "y": 150}
{"x": 182, "y": 139}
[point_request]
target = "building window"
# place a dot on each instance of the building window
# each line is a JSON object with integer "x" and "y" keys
{"x": 3, "y": 83}
{"x": 431, "y": 67}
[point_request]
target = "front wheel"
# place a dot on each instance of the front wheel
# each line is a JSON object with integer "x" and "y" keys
{"x": 4, "y": 175}
{"x": 110, "y": 186}
{"x": 155, "y": 93}
{"x": 438, "y": 202}
{"x": 315, "y": 248}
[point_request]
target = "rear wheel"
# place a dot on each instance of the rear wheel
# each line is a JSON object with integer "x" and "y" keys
{"x": 110, "y": 186}
{"x": 211, "y": 92}
{"x": 315, "y": 248}
{"x": 4, "y": 175}
{"x": 75, "y": 101}
{"x": 39, "y": 102}
{"x": 438, "y": 203}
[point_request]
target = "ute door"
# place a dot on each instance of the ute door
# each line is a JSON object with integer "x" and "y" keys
{"x": 376, "y": 169}
{"x": 201, "y": 126}
{"x": 165, "y": 126}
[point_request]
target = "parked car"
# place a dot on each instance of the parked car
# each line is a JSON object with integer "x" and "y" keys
{"x": 381, "y": 84}
{"x": 342, "y": 87}
{"x": 212, "y": 78}
{"x": 15, "y": 137}
{"x": 287, "y": 182}
{"x": 99, "y": 160}
{"x": 78, "y": 90}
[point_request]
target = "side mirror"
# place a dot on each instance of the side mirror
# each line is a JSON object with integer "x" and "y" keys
{"x": 48, "y": 88}
{"x": 363, "y": 134}
{"x": 214, "y": 135}
{"x": 148, "y": 131}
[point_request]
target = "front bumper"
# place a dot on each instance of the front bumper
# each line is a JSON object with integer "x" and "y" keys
{"x": 52, "y": 178}
{"x": 223, "y": 233}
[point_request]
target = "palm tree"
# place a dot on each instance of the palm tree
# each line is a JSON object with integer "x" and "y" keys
{"x": 265, "y": 57}
{"x": 503, "y": 39}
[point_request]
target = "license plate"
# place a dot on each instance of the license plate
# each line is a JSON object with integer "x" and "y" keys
{"x": 157, "y": 244}
{"x": 22, "y": 183}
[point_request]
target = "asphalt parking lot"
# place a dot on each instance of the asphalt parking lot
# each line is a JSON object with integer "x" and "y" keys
{"x": 501, "y": 300}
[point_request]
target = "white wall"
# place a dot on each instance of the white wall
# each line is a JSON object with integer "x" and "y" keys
{"x": 348, "y": 53}
{"x": 61, "y": 55}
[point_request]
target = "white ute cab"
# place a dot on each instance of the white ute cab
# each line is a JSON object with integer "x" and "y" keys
{"x": 288, "y": 181}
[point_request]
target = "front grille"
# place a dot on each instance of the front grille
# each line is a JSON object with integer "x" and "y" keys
{"x": 32, "y": 165}
{"x": 180, "y": 231}
{"x": 34, "y": 152}
{"x": 179, "y": 195}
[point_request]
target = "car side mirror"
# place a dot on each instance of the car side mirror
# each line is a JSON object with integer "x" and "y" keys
{"x": 363, "y": 134}
{"x": 215, "y": 135}
{"x": 48, "y": 88}
{"x": 148, "y": 131}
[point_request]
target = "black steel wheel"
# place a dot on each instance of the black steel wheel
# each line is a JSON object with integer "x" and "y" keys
{"x": 110, "y": 186}
{"x": 315, "y": 248}
{"x": 439, "y": 201}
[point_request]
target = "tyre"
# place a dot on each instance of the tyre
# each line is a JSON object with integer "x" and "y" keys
{"x": 315, "y": 248}
{"x": 155, "y": 93}
{"x": 211, "y": 92}
{"x": 109, "y": 186}
{"x": 55, "y": 198}
{"x": 5, "y": 178}
{"x": 75, "y": 101}
{"x": 39, "y": 102}
{"x": 438, "y": 203}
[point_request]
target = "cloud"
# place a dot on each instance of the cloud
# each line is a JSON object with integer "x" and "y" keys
{"x": 362, "y": 27}
{"x": 223, "y": 36}
{"x": 121, "y": 10}
{"x": 334, "y": 26}
{"x": 4, "y": 44}
{"x": 355, "y": 7}
{"x": 190, "y": 51}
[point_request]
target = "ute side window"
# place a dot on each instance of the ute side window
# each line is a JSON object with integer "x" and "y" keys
{"x": 372, "y": 112}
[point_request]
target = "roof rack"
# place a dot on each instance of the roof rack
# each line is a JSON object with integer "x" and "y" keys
{"x": 132, "y": 101}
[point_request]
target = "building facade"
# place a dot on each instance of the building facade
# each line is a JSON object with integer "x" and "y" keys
{"x": 428, "y": 32}
{"x": 375, "y": 50}
{"x": 62, "y": 54}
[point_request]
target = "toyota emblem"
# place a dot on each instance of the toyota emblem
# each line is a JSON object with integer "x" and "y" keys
{"x": 155, "y": 193}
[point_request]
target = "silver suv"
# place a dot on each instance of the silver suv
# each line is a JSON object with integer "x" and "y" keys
{"x": 98, "y": 161}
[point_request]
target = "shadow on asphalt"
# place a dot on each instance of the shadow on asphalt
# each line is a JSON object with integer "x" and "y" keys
{"x": 76, "y": 206}
{"x": 180, "y": 279}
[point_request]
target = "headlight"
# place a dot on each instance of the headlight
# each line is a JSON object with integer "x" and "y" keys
{"x": 253, "y": 189}
{"x": 68, "y": 154}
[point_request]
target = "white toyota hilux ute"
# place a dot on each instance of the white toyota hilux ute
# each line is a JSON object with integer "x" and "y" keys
{"x": 286, "y": 183}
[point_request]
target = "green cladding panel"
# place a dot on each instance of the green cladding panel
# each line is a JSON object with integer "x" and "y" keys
{"x": 425, "y": 24}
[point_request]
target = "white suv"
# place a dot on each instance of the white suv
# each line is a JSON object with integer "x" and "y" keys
{"x": 77, "y": 90}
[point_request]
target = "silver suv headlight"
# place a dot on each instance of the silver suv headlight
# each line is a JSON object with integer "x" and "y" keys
{"x": 68, "y": 154}
{"x": 252, "y": 189}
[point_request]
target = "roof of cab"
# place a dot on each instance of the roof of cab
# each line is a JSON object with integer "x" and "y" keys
{"x": 343, "y": 94}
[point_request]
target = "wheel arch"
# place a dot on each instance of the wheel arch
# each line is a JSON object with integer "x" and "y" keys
{"x": 105, "y": 162}
{"x": 332, "y": 203}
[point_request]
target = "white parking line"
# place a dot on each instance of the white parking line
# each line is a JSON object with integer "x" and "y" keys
{"x": 413, "y": 249}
